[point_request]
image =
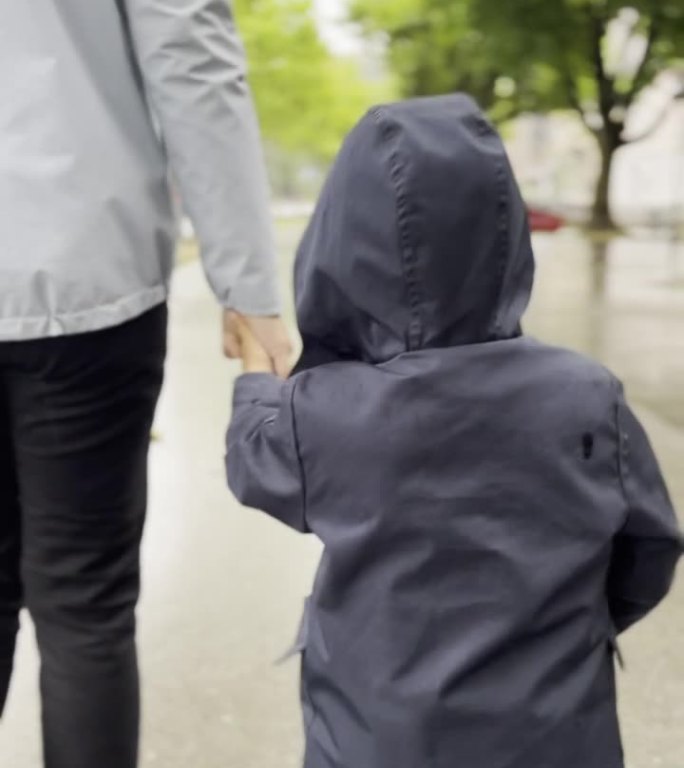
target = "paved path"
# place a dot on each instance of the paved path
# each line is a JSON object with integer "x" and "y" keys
{"x": 223, "y": 587}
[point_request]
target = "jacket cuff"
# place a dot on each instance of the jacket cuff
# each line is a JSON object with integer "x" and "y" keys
{"x": 256, "y": 296}
{"x": 258, "y": 388}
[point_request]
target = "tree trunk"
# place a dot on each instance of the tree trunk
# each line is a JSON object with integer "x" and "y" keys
{"x": 602, "y": 217}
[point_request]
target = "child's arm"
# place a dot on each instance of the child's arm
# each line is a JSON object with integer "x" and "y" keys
{"x": 646, "y": 552}
{"x": 262, "y": 457}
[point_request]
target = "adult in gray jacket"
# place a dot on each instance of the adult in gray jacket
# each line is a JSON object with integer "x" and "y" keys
{"x": 101, "y": 101}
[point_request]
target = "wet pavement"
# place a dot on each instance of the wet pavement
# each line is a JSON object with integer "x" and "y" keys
{"x": 224, "y": 586}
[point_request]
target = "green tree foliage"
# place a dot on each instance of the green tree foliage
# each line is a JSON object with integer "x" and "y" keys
{"x": 307, "y": 98}
{"x": 592, "y": 56}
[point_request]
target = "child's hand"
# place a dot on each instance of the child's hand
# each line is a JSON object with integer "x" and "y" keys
{"x": 270, "y": 332}
{"x": 255, "y": 359}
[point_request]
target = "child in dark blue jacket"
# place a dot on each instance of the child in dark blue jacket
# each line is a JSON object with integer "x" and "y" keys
{"x": 492, "y": 513}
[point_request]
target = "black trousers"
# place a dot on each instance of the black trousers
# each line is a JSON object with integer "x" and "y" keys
{"x": 75, "y": 420}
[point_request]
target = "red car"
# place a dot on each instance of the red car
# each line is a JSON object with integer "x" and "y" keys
{"x": 542, "y": 221}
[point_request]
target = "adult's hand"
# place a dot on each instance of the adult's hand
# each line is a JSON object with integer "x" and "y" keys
{"x": 270, "y": 332}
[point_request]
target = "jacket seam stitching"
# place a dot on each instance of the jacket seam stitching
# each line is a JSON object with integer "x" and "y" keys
{"x": 298, "y": 455}
{"x": 502, "y": 225}
{"x": 617, "y": 391}
{"x": 407, "y": 246}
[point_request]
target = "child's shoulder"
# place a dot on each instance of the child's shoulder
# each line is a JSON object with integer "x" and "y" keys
{"x": 334, "y": 377}
{"x": 536, "y": 357}
{"x": 569, "y": 363}
{"x": 495, "y": 369}
{"x": 581, "y": 383}
{"x": 570, "y": 360}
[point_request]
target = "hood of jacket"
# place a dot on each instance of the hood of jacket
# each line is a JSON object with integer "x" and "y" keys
{"x": 420, "y": 238}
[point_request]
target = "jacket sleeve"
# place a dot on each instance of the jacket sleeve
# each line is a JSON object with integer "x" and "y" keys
{"x": 647, "y": 549}
{"x": 262, "y": 455}
{"x": 193, "y": 66}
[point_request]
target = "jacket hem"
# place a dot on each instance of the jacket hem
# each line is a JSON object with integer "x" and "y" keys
{"x": 86, "y": 321}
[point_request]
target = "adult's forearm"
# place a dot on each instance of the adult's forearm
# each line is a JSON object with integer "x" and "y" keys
{"x": 193, "y": 65}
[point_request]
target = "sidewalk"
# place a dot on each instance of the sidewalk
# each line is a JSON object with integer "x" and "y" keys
{"x": 224, "y": 587}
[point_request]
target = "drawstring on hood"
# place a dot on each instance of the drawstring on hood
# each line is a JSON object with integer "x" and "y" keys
{"x": 420, "y": 238}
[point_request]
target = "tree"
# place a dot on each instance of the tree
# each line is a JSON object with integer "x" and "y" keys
{"x": 433, "y": 48}
{"x": 307, "y": 98}
{"x": 591, "y": 56}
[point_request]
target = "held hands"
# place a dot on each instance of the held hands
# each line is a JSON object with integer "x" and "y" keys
{"x": 262, "y": 343}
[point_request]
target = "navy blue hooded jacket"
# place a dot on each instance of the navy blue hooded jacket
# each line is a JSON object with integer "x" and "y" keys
{"x": 491, "y": 510}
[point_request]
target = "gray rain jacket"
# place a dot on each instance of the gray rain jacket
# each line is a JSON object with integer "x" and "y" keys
{"x": 86, "y": 225}
{"x": 491, "y": 510}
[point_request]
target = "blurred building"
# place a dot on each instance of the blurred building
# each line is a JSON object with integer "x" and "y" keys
{"x": 557, "y": 160}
